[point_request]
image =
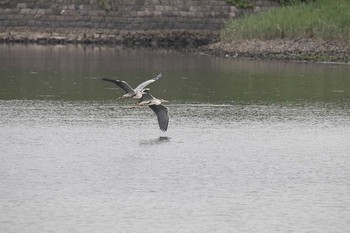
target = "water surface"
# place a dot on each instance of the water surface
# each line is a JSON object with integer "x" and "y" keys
{"x": 252, "y": 146}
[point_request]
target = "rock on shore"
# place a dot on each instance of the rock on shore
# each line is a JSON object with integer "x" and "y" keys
{"x": 281, "y": 49}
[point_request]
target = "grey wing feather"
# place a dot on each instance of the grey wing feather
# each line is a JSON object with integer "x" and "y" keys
{"x": 122, "y": 84}
{"x": 162, "y": 115}
{"x": 146, "y": 83}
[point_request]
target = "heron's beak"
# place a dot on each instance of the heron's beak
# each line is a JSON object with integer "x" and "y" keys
{"x": 165, "y": 101}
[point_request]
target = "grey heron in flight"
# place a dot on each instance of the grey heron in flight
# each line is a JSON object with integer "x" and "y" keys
{"x": 129, "y": 91}
{"x": 156, "y": 105}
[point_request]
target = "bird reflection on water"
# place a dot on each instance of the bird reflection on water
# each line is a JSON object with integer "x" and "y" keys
{"x": 156, "y": 141}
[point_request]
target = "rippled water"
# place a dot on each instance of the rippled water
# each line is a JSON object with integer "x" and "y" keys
{"x": 251, "y": 147}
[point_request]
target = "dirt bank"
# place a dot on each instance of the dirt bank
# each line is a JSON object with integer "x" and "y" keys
{"x": 281, "y": 49}
{"x": 146, "y": 38}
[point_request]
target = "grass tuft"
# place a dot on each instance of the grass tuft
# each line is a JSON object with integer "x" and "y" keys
{"x": 321, "y": 19}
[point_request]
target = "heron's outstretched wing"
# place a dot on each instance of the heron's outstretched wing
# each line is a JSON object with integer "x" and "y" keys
{"x": 162, "y": 115}
{"x": 121, "y": 84}
{"x": 146, "y": 83}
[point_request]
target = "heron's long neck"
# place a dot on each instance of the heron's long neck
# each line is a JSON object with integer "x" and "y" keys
{"x": 156, "y": 102}
{"x": 138, "y": 95}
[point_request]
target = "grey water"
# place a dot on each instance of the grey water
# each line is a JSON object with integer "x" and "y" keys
{"x": 252, "y": 146}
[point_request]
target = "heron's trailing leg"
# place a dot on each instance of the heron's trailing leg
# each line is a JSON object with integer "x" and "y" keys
{"x": 135, "y": 106}
{"x": 122, "y": 97}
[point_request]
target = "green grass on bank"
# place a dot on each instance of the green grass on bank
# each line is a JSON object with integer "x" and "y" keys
{"x": 323, "y": 19}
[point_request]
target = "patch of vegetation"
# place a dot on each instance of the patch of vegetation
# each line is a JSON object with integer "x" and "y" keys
{"x": 323, "y": 19}
{"x": 292, "y": 2}
{"x": 248, "y": 4}
{"x": 103, "y": 4}
{"x": 7, "y": 4}
{"x": 240, "y": 3}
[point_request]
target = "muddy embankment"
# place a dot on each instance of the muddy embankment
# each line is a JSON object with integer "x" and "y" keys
{"x": 281, "y": 49}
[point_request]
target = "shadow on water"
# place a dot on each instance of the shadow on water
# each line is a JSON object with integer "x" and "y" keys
{"x": 157, "y": 141}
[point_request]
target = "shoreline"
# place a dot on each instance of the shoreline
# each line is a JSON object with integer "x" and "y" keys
{"x": 147, "y": 38}
{"x": 202, "y": 42}
{"x": 303, "y": 50}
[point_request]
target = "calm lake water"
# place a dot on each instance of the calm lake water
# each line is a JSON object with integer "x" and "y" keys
{"x": 252, "y": 146}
